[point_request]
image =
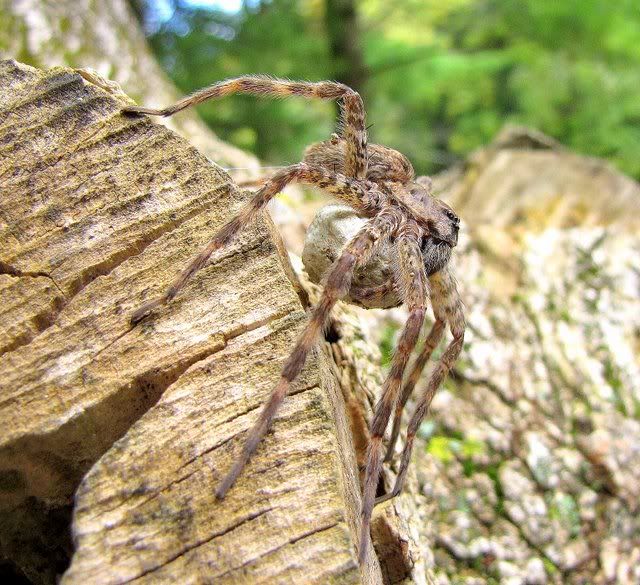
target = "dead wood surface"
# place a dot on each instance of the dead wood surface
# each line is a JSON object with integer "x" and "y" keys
{"x": 98, "y": 212}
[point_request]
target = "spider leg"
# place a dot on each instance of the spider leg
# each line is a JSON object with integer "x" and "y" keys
{"x": 372, "y": 294}
{"x": 356, "y": 251}
{"x": 353, "y": 114}
{"x": 349, "y": 190}
{"x": 414, "y": 288}
{"x": 430, "y": 343}
{"x": 446, "y": 302}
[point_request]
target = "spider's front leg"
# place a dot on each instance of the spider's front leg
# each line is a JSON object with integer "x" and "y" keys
{"x": 447, "y": 307}
{"x": 351, "y": 191}
{"x": 414, "y": 291}
{"x": 357, "y": 251}
{"x": 353, "y": 114}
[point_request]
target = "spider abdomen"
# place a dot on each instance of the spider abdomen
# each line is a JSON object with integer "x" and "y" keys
{"x": 332, "y": 227}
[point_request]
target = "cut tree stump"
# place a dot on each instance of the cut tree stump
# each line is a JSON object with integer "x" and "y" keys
{"x": 135, "y": 426}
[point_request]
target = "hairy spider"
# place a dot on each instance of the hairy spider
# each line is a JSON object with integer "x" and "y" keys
{"x": 379, "y": 184}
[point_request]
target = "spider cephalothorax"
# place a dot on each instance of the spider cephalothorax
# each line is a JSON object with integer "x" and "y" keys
{"x": 379, "y": 184}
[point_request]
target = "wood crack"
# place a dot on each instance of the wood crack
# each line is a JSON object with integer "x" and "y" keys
{"x": 199, "y": 543}
{"x": 8, "y": 270}
{"x": 279, "y": 547}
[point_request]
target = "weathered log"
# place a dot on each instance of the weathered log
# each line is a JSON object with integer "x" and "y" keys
{"x": 99, "y": 212}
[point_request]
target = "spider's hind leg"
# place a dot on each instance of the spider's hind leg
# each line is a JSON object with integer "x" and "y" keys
{"x": 430, "y": 343}
{"x": 414, "y": 288}
{"x": 356, "y": 252}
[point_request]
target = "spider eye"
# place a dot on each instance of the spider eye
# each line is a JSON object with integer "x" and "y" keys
{"x": 452, "y": 216}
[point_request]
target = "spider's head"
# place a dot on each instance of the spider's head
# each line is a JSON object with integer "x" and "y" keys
{"x": 440, "y": 222}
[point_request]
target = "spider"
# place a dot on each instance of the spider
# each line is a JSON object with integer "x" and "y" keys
{"x": 379, "y": 184}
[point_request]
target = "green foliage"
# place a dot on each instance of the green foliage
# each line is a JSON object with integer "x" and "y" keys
{"x": 443, "y": 75}
{"x": 199, "y": 46}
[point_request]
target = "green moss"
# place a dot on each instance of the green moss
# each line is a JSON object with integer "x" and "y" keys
{"x": 469, "y": 450}
{"x": 469, "y": 467}
{"x": 440, "y": 447}
{"x": 564, "y": 509}
{"x": 588, "y": 272}
{"x": 549, "y": 567}
{"x": 472, "y": 448}
{"x": 518, "y": 298}
{"x": 455, "y": 445}
{"x": 455, "y": 434}
{"x": 493, "y": 471}
{"x": 65, "y": 25}
{"x": 556, "y": 310}
{"x": 636, "y": 409}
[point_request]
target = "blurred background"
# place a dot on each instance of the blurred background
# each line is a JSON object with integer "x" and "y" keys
{"x": 440, "y": 77}
{"x": 526, "y": 113}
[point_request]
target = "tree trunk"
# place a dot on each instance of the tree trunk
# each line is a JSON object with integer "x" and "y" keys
{"x": 341, "y": 19}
